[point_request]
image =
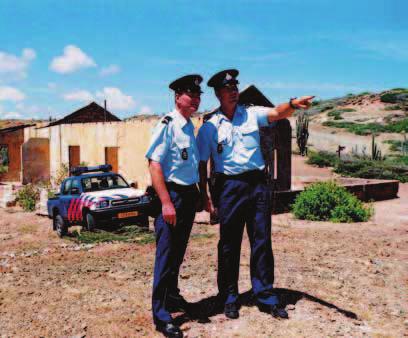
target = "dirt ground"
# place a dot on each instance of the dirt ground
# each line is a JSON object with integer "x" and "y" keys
{"x": 336, "y": 279}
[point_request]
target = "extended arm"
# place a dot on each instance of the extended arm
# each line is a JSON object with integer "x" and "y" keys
{"x": 285, "y": 110}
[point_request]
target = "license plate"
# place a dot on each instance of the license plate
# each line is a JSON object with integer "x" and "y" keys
{"x": 128, "y": 214}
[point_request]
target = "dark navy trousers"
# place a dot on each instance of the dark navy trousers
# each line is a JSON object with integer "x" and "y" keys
{"x": 245, "y": 199}
{"x": 171, "y": 244}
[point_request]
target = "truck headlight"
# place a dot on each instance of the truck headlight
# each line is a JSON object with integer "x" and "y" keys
{"x": 102, "y": 204}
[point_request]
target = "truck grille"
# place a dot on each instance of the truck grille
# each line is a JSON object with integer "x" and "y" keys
{"x": 129, "y": 201}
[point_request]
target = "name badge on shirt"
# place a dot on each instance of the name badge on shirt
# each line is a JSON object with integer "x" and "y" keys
{"x": 184, "y": 154}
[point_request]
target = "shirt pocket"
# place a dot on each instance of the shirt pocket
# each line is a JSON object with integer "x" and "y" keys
{"x": 249, "y": 136}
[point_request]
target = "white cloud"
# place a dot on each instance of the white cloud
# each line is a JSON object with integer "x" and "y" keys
{"x": 110, "y": 70}
{"x": 14, "y": 65}
{"x": 145, "y": 110}
{"x": 116, "y": 99}
{"x": 11, "y": 94}
{"x": 72, "y": 60}
{"x": 78, "y": 95}
{"x": 29, "y": 110}
{"x": 12, "y": 115}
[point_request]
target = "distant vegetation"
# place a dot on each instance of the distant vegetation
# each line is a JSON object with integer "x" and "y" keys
{"x": 395, "y": 95}
{"x": 336, "y": 114}
{"x": 370, "y": 128}
{"x": 398, "y": 146}
{"x": 393, "y": 167}
{"x": 394, "y": 107}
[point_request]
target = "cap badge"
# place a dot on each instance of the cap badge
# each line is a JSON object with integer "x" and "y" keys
{"x": 196, "y": 82}
{"x": 228, "y": 77}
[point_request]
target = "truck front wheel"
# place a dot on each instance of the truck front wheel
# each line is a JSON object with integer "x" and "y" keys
{"x": 60, "y": 226}
{"x": 90, "y": 222}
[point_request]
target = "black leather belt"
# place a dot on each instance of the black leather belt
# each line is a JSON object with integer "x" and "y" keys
{"x": 180, "y": 187}
{"x": 252, "y": 175}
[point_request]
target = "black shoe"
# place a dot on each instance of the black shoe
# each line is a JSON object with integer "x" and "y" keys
{"x": 175, "y": 303}
{"x": 278, "y": 312}
{"x": 170, "y": 330}
{"x": 231, "y": 311}
{"x": 274, "y": 310}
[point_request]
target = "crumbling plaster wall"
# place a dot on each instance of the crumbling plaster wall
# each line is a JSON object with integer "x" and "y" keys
{"x": 131, "y": 137}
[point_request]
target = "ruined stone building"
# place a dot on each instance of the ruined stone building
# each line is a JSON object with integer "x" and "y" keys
{"x": 92, "y": 136}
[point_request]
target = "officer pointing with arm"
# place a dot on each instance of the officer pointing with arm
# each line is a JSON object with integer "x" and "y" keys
{"x": 173, "y": 164}
{"x": 231, "y": 137}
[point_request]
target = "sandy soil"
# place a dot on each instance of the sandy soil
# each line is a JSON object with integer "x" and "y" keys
{"x": 336, "y": 279}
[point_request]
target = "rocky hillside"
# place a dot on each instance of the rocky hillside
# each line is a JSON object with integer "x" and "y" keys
{"x": 365, "y": 113}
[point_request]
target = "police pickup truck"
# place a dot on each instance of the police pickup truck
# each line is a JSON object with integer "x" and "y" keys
{"x": 94, "y": 195}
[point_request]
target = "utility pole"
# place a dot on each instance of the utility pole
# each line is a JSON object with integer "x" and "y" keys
{"x": 104, "y": 109}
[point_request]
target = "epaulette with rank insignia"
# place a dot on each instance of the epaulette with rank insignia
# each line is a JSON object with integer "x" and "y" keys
{"x": 167, "y": 119}
{"x": 207, "y": 116}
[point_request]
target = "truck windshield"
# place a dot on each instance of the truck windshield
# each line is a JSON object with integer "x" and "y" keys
{"x": 95, "y": 183}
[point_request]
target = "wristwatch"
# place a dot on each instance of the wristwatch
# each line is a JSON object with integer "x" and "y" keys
{"x": 291, "y": 104}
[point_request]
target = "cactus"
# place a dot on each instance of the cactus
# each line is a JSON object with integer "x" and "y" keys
{"x": 302, "y": 133}
{"x": 375, "y": 151}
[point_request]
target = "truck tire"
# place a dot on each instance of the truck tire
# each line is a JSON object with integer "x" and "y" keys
{"x": 90, "y": 222}
{"x": 60, "y": 226}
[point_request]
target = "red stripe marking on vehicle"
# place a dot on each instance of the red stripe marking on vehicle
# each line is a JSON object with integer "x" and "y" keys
{"x": 71, "y": 203}
{"x": 75, "y": 209}
{"x": 80, "y": 206}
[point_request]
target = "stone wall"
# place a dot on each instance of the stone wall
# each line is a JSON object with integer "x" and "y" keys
{"x": 131, "y": 137}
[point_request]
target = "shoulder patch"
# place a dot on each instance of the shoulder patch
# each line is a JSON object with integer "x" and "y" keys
{"x": 166, "y": 119}
{"x": 206, "y": 117}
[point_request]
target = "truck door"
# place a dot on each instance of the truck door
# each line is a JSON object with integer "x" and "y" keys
{"x": 66, "y": 199}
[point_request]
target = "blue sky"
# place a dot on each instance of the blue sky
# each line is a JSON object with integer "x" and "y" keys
{"x": 56, "y": 56}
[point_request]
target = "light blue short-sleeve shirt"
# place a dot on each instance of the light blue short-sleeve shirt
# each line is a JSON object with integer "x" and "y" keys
{"x": 234, "y": 145}
{"x": 174, "y": 146}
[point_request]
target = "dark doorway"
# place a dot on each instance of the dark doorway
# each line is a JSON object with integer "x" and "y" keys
{"x": 111, "y": 157}
{"x": 74, "y": 157}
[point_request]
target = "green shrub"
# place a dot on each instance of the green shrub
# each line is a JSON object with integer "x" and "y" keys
{"x": 3, "y": 169}
{"x": 322, "y": 159}
{"x": 327, "y": 201}
{"x": 62, "y": 174}
{"x": 393, "y": 107}
{"x": 398, "y": 146}
{"x": 337, "y": 113}
{"x": 389, "y": 98}
{"x": 326, "y": 107}
{"x": 28, "y": 196}
{"x": 315, "y": 103}
{"x": 394, "y": 96}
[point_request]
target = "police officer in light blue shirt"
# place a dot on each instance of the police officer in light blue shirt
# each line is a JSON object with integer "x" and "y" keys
{"x": 231, "y": 138}
{"x": 173, "y": 164}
